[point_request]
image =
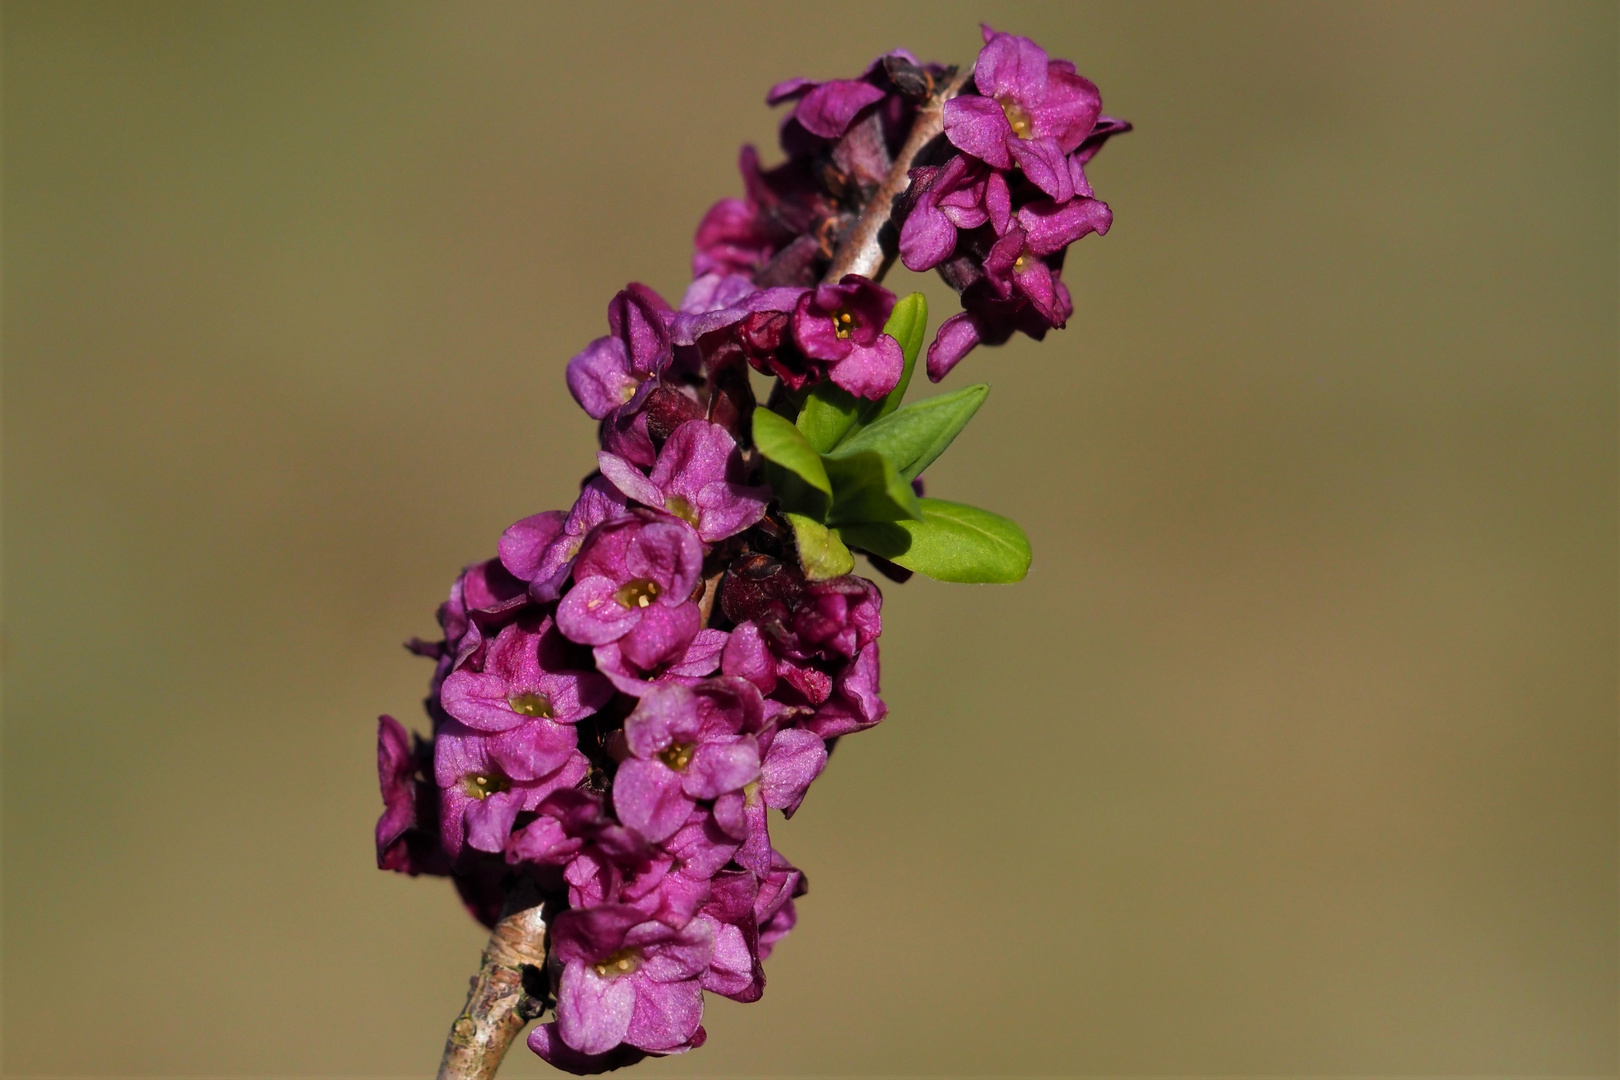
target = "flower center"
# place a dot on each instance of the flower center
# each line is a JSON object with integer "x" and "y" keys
{"x": 751, "y": 793}
{"x": 682, "y": 509}
{"x": 843, "y": 323}
{"x": 622, "y": 962}
{"x": 1020, "y": 263}
{"x": 677, "y": 757}
{"x": 530, "y": 703}
{"x": 1022, "y": 126}
{"x": 637, "y": 593}
{"x": 481, "y": 786}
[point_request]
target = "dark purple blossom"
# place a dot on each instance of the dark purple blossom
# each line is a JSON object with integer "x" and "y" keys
{"x": 611, "y": 372}
{"x": 734, "y": 969}
{"x": 699, "y": 477}
{"x": 540, "y": 551}
{"x": 700, "y": 657}
{"x": 407, "y": 831}
{"x": 1033, "y": 113}
{"x": 961, "y": 194}
{"x": 793, "y": 757}
{"x": 825, "y": 109}
{"x": 854, "y": 704}
{"x": 546, "y": 1041}
{"x": 774, "y": 911}
{"x": 1017, "y": 266}
{"x": 842, "y": 325}
{"x": 633, "y": 583}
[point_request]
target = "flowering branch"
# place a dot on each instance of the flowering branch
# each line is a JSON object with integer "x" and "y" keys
{"x": 624, "y": 692}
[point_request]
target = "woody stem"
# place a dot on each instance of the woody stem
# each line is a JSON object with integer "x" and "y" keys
{"x": 498, "y": 1005}
{"x": 872, "y": 244}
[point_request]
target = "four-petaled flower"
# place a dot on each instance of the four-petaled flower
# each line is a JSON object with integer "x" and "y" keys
{"x": 1033, "y": 112}
{"x": 633, "y": 583}
{"x": 699, "y": 477}
{"x": 842, "y": 325}
{"x": 627, "y": 979}
{"x": 687, "y": 743}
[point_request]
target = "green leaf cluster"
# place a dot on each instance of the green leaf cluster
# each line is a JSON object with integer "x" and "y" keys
{"x": 842, "y": 472}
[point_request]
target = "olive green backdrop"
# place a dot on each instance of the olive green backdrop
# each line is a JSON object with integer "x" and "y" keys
{"x": 1296, "y": 753}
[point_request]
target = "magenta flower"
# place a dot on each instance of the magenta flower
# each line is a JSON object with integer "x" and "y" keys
{"x": 961, "y": 194}
{"x": 485, "y": 594}
{"x": 407, "y": 831}
{"x": 1016, "y": 265}
{"x": 825, "y": 109}
{"x": 626, "y": 979}
{"x": 836, "y": 617}
{"x": 700, "y": 658}
{"x": 687, "y": 743}
{"x": 633, "y": 582}
{"x": 773, "y": 906}
{"x": 486, "y": 779}
{"x": 790, "y": 760}
{"x": 703, "y": 846}
{"x": 734, "y": 969}
{"x": 842, "y": 325}
{"x": 732, "y": 239}
{"x": 793, "y": 758}
{"x": 547, "y": 1042}
{"x": 854, "y": 704}
{"x": 727, "y": 304}
{"x": 698, "y": 478}
{"x": 988, "y": 319}
{"x": 524, "y": 676}
{"x": 612, "y": 371}
{"x": 539, "y": 551}
{"x": 747, "y": 656}
{"x": 1033, "y": 112}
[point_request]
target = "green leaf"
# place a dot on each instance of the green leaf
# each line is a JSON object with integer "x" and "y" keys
{"x": 867, "y": 487}
{"x": 917, "y": 434}
{"x": 821, "y": 553}
{"x": 953, "y": 542}
{"x": 784, "y": 444}
{"x": 908, "y": 324}
{"x": 828, "y": 415}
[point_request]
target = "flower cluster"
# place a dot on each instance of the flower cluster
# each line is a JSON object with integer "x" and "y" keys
{"x": 998, "y": 214}
{"x": 628, "y": 687}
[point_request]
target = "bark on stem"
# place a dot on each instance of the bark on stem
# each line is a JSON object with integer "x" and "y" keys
{"x": 864, "y": 251}
{"x": 498, "y": 1006}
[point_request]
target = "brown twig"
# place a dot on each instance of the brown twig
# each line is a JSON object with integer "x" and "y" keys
{"x": 863, "y": 250}
{"x": 498, "y": 1005}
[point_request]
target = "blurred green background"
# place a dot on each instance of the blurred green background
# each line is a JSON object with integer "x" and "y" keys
{"x": 1296, "y": 753}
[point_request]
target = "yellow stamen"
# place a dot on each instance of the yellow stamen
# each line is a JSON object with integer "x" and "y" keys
{"x": 1021, "y": 124}
{"x": 638, "y": 593}
{"x": 677, "y": 757}
{"x": 481, "y": 786}
{"x": 622, "y": 962}
{"x": 530, "y": 703}
{"x": 682, "y": 509}
{"x": 843, "y": 323}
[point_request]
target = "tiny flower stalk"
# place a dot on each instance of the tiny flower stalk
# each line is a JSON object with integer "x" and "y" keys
{"x": 627, "y": 689}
